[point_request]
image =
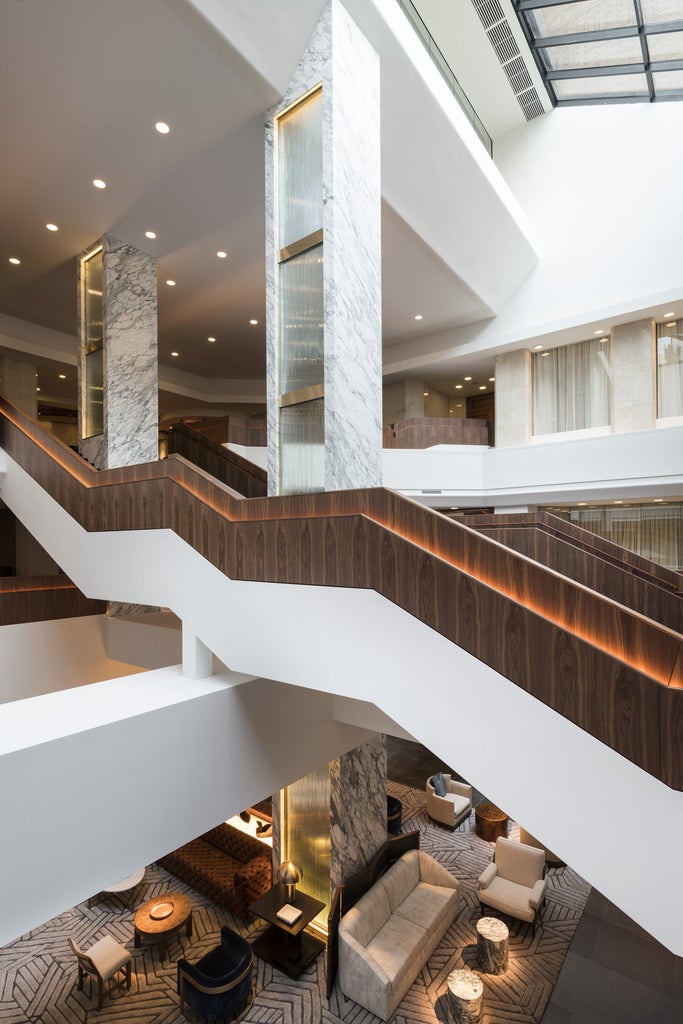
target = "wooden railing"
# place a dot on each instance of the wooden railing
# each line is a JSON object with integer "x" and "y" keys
{"x": 624, "y": 576}
{"x": 38, "y": 598}
{"x": 241, "y": 475}
{"x": 612, "y": 672}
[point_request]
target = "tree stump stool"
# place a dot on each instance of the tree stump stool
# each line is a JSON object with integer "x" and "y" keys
{"x": 492, "y": 945}
{"x": 465, "y": 997}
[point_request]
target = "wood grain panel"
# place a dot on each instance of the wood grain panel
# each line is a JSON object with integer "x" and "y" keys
{"x": 593, "y": 660}
{"x": 243, "y": 476}
{"x": 39, "y": 598}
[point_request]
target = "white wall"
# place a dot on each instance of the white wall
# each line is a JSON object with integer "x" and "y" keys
{"x": 42, "y": 657}
{"x": 600, "y": 186}
{"x": 353, "y": 643}
{"x": 641, "y": 464}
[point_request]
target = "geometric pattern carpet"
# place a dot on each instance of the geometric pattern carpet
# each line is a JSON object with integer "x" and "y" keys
{"x": 38, "y": 970}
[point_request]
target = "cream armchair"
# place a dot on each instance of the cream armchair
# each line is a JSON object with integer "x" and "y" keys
{"x": 452, "y": 808}
{"x": 514, "y": 884}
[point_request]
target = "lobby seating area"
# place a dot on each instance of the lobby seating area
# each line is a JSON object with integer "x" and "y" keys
{"x": 230, "y": 867}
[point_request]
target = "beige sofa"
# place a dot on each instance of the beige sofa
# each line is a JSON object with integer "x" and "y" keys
{"x": 388, "y": 936}
{"x": 452, "y": 808}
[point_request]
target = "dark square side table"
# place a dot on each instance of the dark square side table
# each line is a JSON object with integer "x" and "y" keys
{"x": 282, "y": 945}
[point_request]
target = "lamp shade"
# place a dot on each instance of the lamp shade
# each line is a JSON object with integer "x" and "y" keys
{"x": 289, "y": 873}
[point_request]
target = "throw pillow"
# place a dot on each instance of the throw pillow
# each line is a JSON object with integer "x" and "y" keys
{"x": 439, "y": 784}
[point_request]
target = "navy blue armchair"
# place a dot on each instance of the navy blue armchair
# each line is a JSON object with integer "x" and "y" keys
{"x": 219, "y": 986}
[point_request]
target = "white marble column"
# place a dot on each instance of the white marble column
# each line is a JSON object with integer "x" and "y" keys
{"x": 130, "y": 359}
{"x": 358, "y": 808}
{"x": 634, "y": 382}
{"x": 513, "y": 399}
{"x": 339, "y": 57}
{"x": 18, "y": 383}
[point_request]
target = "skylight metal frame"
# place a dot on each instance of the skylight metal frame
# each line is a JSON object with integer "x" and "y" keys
{"x": 639, "y": 29}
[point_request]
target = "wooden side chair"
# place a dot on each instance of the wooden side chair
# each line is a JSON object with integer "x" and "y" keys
{"x": 103, "y": 961}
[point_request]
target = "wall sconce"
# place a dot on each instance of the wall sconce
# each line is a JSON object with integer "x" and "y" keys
{"x": 289, "y": 873}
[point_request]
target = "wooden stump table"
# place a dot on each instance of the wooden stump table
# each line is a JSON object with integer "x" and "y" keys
{"x": 465, "y": 997}
{"x": 492, "y": 945}
{"x": 490, "y": 822}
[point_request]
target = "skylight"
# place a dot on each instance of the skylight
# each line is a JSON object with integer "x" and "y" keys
{"x": 606, "y": 51}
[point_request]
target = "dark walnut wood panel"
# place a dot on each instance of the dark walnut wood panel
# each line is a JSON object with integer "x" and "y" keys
{"x": 646, "y": 588}
{"x": 593, "y": 661}
{"x": 243, "y": 476}
{"x": 39, "y": 598}
{"x": 426, "y": 431}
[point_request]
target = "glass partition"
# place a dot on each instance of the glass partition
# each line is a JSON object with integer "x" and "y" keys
{"x": 306, "y": 836}
{"x": 93, "y": 334}
{"x": 301, "y": 321}
{"x": 300, "y": 170}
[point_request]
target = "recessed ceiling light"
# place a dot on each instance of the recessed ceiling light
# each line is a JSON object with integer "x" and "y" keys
{"x": 52, "y": 227}
{"x": 454, "y": 508}
{"x": 459, "y": 406}
{"x": 582, "y": 503}
{"x": 150, "y": 234}
{"x": 600, "y": 330}
{"x": 482, "y": 387}
{"x": 618, "y": 501}
{"x": 170, "y": 283}
{"x": 37, "y": 389}
{"x": 211, "y": 339}
{"x": 175, "y": 354}
{"x": 603, "y": 341}
{"x": 458, "y": 387}
{"x": 426, "y": 394}
{"x": 418, "y": 316}
{"x": 492, "y": 379}
{"x": 467, "y": 378}
{"x": 537, "y": 348}
{"x": 253, "y": 322}
{"x": 98, "y": 183}
{"x": 672, "y": 323}
{"x": 62, "y": 376}
{"x": 162, "y": 128}
{"x": 14, "y": 260}
{"x": 671, "y": 313}
{"x": 544, "y": 354}
{"x": 221, "y": 254}
{"x": 658, "y": 499}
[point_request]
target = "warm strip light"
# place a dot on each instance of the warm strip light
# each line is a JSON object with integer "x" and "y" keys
{"x": 549, "y": 615}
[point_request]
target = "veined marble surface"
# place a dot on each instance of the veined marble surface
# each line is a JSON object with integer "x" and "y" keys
{"x": 339, "y": 56}
{"x": 358, "y": 808}
{"x": 130, "y": 371}
{"x": 131, "y": 378}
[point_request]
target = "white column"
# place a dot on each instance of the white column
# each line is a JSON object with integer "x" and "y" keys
{"x": 634, "y": 384}
{"x": 197, "y": 658}
{"x": 513, "y": 399}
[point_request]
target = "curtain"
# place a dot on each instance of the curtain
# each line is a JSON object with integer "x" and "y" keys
{"x": 670, "y": 369}
{"x": 653, "y": 531}
{"x": 571, "y": 387}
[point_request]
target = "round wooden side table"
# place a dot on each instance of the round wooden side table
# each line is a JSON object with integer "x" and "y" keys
{"x": 160, "y": 916}
{"x": 490, "y": 822}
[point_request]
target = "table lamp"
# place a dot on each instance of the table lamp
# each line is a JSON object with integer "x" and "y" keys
{"x": 289, "y": 873}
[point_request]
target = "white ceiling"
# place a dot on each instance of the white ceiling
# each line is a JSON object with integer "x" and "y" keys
{"x": 86, "y": 80}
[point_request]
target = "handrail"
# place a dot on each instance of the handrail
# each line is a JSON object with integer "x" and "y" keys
{"x": 427, "y": 40}
{"x": 612, "y": 672}
{"x": 39, "y": 598}
{"x": 227, "y": 466}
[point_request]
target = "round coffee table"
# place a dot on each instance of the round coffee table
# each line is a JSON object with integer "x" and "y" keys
{"x": 492, "y": 945}
{"x": 465, "y": 996}
{"x": 160, "y": 916}
{"x": 490, "y": 822}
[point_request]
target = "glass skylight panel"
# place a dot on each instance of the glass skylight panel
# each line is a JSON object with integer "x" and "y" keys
{"x": 607, "y": 85}
{"x": 583, "y": 16}
{"x": 605, "y": 53}
{"x": 657, "y": 11}
{"x": 668, "y": 81}
{"x": 666, "y": 45}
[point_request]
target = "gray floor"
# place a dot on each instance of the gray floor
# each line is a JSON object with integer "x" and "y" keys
{"x": 614, "y": 973}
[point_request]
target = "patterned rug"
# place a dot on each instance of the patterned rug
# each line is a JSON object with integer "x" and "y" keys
{"x": 38, "y": 971}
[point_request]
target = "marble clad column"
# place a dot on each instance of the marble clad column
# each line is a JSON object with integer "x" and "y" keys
{"x": 634, "y": 380}
{"x": 340, "y": 57}
{"x": 358, "y": 808}
{"x": 18, "y": 383}
{"x": 130, "y": 359}
{"x": 513, "y": 399}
